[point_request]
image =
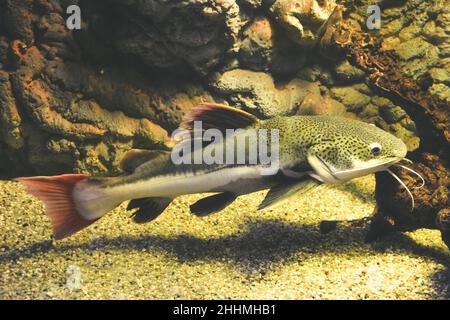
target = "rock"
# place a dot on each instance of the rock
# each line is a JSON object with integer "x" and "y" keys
{"x": 390, "y": 43}
{"x": 265, "y": 48}
{"x": 316, "y": 104}
{"x": 369, "y": 112}
{"x": 410, "y": 139}
{"x": 382, "y": 102}
{"x": 363, "y": 88}
{"x": 395, "y": 117}
{"x": 10, "y": 119}
{"x": 440, "y": 75}
{"x": 317, "y": 73}
{"x": 302, "y": 19}
{"x": 334, "y": 107}
{"x": 346, "y": 73}
{"x": 419, "y": 56}
{"x": 171, "y": 33}
{"x": 388, "y": 110}
{"x": 410, "y": 32}
{"x": 434, "y": 33}
{"x": 17, "y": 20}
{"x": 257, "y": 92}
{"x": 116, "y": 88}
{"x": 441, "y": 91}
{"x": 255, "y": 4}
{"x": 392, "y": 114}
{"x": 256, "y": 49}
{"x": 414, "y": 48}
{"x": 252, "y": 3}
{"x": 408, "y": 124}
{"x": 288, "y": 59}
{"x": 353, "y": 100}
{"x": 419, "y": 67}
{"x": 391, "y": 28}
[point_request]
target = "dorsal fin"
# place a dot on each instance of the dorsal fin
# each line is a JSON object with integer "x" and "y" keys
{"x": 135, "y": 157}
{"x": 218, "y": 116}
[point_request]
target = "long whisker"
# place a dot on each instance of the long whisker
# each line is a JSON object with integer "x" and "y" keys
{"x": 404, "y": 186}
{"x": 411, "y": 170}
{"x": 407, "y": 160}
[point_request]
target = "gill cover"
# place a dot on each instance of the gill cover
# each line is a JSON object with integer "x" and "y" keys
{"x": 322, "y": 170}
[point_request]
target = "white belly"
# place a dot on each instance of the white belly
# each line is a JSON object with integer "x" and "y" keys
{"x": 176, "y": 185}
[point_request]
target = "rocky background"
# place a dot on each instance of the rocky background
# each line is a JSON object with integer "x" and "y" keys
{"x": 75, "y": 101}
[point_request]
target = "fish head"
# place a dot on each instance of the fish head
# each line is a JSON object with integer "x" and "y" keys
{"x": 350, "y": 149}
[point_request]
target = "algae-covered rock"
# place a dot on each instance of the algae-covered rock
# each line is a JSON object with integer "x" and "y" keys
{"x": 354, "y": 100}
{"x": 391, "y": 28}
{"x": 435, "y": 33}
{"x": 388, "y": 110}
{"x": 414, "y": 48}
{"x": 346, "y": 73}
{"x": 411, "y": 140}
{"x": 392, "y": 114}
{"x": 316, "y": 104}
{"x": 441, "y": 91}
{"x": 408, "y": 124}
{"x": 256, "y": 91}
{"x": 370, "y": 111}
{"x": 440, "y": 75}
{"x": 410, "y": 32}
{"x": 419, "y": 55}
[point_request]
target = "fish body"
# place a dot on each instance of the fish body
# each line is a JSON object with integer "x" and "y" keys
{"x": 309, "y": 150}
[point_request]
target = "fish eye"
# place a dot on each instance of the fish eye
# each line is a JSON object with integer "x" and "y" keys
{"x": 375, "y": 148}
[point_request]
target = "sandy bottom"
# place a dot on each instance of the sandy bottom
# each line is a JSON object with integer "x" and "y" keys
{"x": 238, "y": 253}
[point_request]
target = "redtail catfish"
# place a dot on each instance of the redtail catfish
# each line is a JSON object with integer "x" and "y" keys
{"x": 309, "y": 150}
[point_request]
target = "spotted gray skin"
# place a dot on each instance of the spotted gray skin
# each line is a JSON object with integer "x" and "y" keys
{"x": 342, "y": 145}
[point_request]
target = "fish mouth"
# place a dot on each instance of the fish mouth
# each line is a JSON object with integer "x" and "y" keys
{"x": 325, "y": 173}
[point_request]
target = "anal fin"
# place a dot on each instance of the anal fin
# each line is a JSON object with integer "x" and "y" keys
{"x": 212, "y": 204}
{"x": 148, "y": 208}
{"x": 284, "y": 190}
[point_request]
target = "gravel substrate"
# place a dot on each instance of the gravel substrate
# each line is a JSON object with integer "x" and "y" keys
{"x": 238, "y": 253}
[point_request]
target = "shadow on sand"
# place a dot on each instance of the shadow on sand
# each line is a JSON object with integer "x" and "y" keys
{"x": 265, "y": 244}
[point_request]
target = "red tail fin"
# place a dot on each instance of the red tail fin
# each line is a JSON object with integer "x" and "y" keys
{"x": 56, "y": 193}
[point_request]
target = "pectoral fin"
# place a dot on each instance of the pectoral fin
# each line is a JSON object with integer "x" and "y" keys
{"x": 149, "y": 208}
{"x": 282, "y": 191}
{"x": 212, "y": 204}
